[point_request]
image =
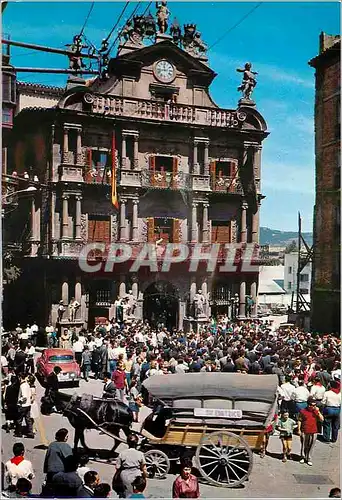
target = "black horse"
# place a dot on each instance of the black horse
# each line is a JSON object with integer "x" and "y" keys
{"x": 110, "y": 415}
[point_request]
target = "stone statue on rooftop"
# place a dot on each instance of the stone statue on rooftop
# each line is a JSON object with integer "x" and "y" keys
{"x": 192, "y": 41}
{"x": 175, "y": 31}
{"x": 248, "y": 81}
{"x": 163, "y": 14}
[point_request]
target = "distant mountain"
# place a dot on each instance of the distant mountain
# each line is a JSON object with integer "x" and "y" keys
{"x": 278, "y": 238}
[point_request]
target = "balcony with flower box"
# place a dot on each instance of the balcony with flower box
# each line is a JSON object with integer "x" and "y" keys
{"x": 161, "y": 179}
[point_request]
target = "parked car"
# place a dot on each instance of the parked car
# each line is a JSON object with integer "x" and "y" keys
{"x": 65, "y": 358}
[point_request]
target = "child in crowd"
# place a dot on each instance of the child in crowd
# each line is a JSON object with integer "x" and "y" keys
{"x": 286, "y": 426}
{"x": 139, "y": 486}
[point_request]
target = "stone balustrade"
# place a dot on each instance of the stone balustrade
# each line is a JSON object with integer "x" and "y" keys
{"x": 180, "y": 113}
{"x": 70, "y": 174}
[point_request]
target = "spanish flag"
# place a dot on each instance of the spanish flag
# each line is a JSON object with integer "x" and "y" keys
{"x": 114, "y": 192}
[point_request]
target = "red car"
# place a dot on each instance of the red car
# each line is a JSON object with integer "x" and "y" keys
{"x": 65, "y": 358}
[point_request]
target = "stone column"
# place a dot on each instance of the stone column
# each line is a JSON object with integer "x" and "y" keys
{"x": 206, "y": 158}
{"x": 37, "y": 220}
{"x": 78, "y": 218}
{"x": 79, "y": 147}
{"x": 65, "y": 145}
{"x": 255, "y": 225}
{"x": 242, "y": 309}
{"x": 122, "y": 287}
{"x": 181, "y": 313}
{"x": 53, "y": 211}
{"x": 123, "y": 151}
{"x": 123, "y": 219}
{"x": 33, "y": 220}
{"x": 65, "y": 219}
{"x": 244, "y": 222}
{"x": 257, "y": 167}
{"x": 65, "y": 292}
{"x": 254, "y": 297}
{"x": 78, "y": 296}
{"x": 195, "y": 159}
{"x": 135, "y": 227}
{"x": 205, "y": 231}
{"x": 194, "y": 223}
{"x": 135, "y": 286}
{"x": 135, "y": 152}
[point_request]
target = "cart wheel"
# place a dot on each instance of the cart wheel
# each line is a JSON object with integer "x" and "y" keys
{"x": 224, "y": 459}
{"x": 157, "y": 463}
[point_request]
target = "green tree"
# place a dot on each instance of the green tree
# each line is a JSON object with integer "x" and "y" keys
{"x": 291, "y": 247}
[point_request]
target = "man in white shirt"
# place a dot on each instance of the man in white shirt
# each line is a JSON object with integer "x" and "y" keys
{"x": 34, "y": 332}
{"x": 30, "y": 352}
{"x": 285, "y": 392}
{"x": 300, "y": 395}
{"x": 24, "y": 408}
{"x": 18, "y": 467}
{"x": 317, "y": 391}
{"x": 332, "y": 410}
{"x": 78, "y": 347}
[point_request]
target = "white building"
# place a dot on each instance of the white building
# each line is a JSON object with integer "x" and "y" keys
{"x": 290, "y": 275}
{"x": 271, "y": 291}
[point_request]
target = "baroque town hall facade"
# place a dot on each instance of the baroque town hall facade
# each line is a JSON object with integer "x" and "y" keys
{"x": 187, "y": 172}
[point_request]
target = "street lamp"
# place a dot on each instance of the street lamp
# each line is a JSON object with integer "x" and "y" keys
{"x": 30, "y": 189}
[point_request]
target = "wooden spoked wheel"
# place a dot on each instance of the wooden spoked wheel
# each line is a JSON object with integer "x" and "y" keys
{"x": 157, "y": 463}
{"x": 224, "y": 459}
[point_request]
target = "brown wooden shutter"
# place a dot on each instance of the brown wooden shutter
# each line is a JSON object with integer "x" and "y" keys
{"x": 150, "y": 230}
{"x": 213, "y": 233}
{"x": 174, "y": 172}
{"x": 152, "y": 165}
{"x": 99, "y": 230}
{"x": 176, "y": 231}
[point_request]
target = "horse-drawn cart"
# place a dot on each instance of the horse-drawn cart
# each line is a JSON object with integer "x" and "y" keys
{"x": 217, "y": 418}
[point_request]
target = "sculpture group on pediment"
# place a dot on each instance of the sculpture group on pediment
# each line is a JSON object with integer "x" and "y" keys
{"x": 192, "y": 41}
{"x": 139, "y": 27}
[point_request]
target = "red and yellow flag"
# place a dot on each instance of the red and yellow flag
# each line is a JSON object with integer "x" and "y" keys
{"x": 114, "y": 169}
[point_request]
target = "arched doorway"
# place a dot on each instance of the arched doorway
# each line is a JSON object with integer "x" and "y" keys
{"x": 161, "y": 305}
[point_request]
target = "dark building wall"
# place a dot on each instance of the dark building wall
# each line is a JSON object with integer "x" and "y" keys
{"x": 326, "y": 265}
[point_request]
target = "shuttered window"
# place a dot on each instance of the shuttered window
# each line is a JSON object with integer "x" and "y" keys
{"x": 150, "y": 229}
{"x": 221, "y": 233}
{"x": 99, "y": 229}
{"x": 176, "y": 231}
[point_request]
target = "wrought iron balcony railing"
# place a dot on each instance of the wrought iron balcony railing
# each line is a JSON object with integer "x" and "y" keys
{"x": 159, "y": 179}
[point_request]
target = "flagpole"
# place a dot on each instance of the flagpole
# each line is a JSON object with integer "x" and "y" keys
{"x": 114, "y": 169}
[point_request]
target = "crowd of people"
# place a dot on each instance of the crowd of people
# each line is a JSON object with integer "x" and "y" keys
{"x": 124, "y": 355}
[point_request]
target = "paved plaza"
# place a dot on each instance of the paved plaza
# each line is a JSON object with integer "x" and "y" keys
{"x": 270, "y": 477}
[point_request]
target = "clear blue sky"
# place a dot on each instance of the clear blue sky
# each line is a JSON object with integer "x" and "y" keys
{"x": 278, "y": 38}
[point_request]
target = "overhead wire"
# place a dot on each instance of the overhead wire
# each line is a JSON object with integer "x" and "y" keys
{"x": 86, "y": 20}
{"x": 118, "y": 35}
{"x": 117, "y": 22}
{"x": 235, "y": 25}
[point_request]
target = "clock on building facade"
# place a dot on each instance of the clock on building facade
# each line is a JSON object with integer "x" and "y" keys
{"x": 164, "y": 71}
